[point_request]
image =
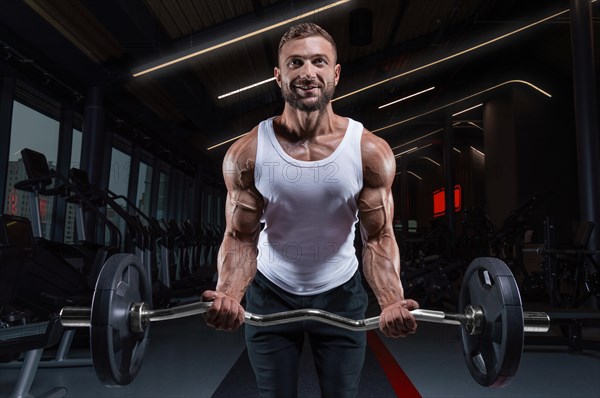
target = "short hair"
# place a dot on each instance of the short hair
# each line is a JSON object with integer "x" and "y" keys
{"x": 304, "y": 30}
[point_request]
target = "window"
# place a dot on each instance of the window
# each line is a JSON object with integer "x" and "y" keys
{"x": 76, "y": 149}
{"x": 33, "y": 130}
{"x": 188, "y": 194}
{"x": 70, "y": 228}
{"x": 161, "y": 209}
{"x": 144, "y": 188}
{"x": 118, "y": 183}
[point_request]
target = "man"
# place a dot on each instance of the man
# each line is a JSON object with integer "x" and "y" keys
{"x": 309, "y": 175}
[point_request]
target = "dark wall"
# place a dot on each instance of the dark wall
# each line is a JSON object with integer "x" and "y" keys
{"x": 530, "y": 150}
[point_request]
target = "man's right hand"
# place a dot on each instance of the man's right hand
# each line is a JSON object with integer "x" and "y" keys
{"x": 225, "y": 313}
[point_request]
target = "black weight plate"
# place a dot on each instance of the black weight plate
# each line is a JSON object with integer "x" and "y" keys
{"x": 493, "y": 356}
{"x": 117, "y": 353}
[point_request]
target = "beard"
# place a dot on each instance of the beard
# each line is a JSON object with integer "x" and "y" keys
{"x": 296, "y": 101}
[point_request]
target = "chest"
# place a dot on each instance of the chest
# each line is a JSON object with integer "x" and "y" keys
{"x": 310, "y": 150}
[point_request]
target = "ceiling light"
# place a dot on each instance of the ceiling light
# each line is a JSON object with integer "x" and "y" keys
{"x": 415, "y": 149}
{"x": 194, "y": 52}
{"x": 410, "y": 172}
{"x": 406, "y": 152}
{"x": 476, "y": 126}
{"x": 417, "y": 139}
{"x": 225, "y": 142}
{"x": 468, "y": 109}
{"x": 478, "y": 151}
{"x": 431, "y": 160}
{"x": 407, "y": 97}
{"x": 543, "y": 92}
{"x": 458, "y": 54}
{"x": 239, "y": 90}
{"x": 461, "y": 100}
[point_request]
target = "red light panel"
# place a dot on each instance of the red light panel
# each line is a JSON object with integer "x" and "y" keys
{"x": 439, "y": 201}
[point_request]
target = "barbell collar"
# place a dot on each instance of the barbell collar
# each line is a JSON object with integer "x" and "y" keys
{"x": 75, "y": 317}
{"x": 536, "y": 322}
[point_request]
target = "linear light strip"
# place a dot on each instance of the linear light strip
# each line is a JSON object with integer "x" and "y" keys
{"x": 240, "y": 38}
{"x": 239, "y": 90}
{"x": 431, "y": 160}
{"x": 478, "y": 151}
{"x": 461, "y": 100}
{"x": 466, "y": 124}
{"x": 410, "y": 172}
{"x": 407, "y": 97}
{"x": 225, "y": 142}
{"x": 406, "y": 152}
{"x": 428, "y": 112}
{"x": 458, "y": 54}
{"x": 421, "y": 137}
{"x": 476, "y": 125}
{"x": 415, "y": 149}
{"x": 418, "y": 148}
{"x": 467, "y": 110}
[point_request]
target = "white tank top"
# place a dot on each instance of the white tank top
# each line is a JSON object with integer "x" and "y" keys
{"x": 310, "y": 211}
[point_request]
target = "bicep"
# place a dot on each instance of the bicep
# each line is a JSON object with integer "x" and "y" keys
{"x": 244, "y": 204}
{"x": 243, "y": 210}
{"x": 375, "y": 202}
{"x": 375, "y": 211}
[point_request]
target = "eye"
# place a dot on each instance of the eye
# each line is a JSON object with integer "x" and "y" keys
{"x": 295, "y": 62}
{"x": 320, "y": 61}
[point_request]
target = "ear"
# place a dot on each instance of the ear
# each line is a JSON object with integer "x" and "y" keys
{"x": 277, "y": 74}
{"x": 337, "y": 71}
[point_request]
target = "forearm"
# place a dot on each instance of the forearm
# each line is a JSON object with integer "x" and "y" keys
{"x": 381, "y": 268}
{"x": 236, "y": 265}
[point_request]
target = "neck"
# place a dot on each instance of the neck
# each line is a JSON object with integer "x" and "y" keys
{"x": 306, "y": 125}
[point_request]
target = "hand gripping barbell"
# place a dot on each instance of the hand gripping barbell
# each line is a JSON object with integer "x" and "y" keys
{"x": 492, "y": 325}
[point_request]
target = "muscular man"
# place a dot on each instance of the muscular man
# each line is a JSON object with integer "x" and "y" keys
{"x": 309, "y": 175}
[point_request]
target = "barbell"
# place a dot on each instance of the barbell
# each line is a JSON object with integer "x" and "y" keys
{"x": 492, "y": 325}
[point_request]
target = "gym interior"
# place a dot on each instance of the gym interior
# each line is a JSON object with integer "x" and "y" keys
{"x": 115, "y": 117}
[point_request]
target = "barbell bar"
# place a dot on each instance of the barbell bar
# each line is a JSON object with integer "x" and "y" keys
{"x": 140, "y": 316}
{"x": 492, "y": 325}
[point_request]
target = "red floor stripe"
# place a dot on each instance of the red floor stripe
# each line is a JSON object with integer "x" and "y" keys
{"x": 400, "y": 382}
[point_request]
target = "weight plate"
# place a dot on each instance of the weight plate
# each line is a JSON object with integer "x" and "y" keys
{"x": 117, "y": 352}
{"x": 493, "y": 356}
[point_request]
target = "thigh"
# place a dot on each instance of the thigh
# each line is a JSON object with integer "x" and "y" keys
{"x": 339, "y": 353}
{"x": 339, "y": 359}
{"x": 274, "y": 351}
{"x": 274, "y": 358}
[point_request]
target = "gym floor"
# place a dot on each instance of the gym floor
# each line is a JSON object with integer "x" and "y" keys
{"x": 185, "y": 358}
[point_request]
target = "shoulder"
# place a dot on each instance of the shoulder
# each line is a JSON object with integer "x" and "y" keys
{"x": 372, "y": 145}
{"x": 379, "y": 163}
{"x": 244, "y": 148}
{"x": 240, "y": 159}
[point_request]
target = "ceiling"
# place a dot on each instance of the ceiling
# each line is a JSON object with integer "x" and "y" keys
{"x": 71, "y": 45}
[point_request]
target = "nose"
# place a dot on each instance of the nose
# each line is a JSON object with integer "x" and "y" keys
{"x": 308, "y": 71}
